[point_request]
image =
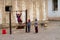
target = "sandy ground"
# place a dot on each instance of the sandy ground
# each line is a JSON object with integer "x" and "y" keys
{"x": 52, "y": 32}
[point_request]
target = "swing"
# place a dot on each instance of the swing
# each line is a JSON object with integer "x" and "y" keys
{"x": 20, "y": 24}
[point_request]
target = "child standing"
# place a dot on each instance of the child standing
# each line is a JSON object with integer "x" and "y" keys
{"x": 28, "y": 25}
{"x": 36, "y": 26}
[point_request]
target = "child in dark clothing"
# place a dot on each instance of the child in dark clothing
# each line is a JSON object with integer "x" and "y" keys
{"x": 28, "y": 25}
{"x": 36, "y": 26}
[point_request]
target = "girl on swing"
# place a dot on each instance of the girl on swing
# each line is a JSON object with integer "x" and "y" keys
{"x": 19, "y": 19}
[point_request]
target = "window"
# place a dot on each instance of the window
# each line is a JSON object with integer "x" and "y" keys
{"x": 55, "y": 5}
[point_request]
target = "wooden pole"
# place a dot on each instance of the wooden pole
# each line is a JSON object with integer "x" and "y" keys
{"x": 10, "y": 19}
{"x": 26, "y": 20}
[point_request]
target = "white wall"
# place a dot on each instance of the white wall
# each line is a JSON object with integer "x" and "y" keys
{"x": 52, "y": 13}
{"x": 58, "y": 8}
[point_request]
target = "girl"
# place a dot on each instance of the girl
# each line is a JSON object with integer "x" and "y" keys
{"x": 19, "y": 18}
{"x": 28, "y": 25}
{"x": 36, "y": 26}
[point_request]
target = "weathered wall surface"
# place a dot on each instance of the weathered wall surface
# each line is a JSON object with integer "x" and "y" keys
{"x": 36, "y": 9}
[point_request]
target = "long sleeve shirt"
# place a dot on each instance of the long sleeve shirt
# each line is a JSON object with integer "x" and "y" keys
{"x": 28, "y": 23}
{"x": 18, "y": 18}
{"x": 36, "y": 24}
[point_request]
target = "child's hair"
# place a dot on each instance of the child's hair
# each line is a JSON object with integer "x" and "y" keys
{"x": 28, "y": 20}
{"x": 35, "y": 19}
